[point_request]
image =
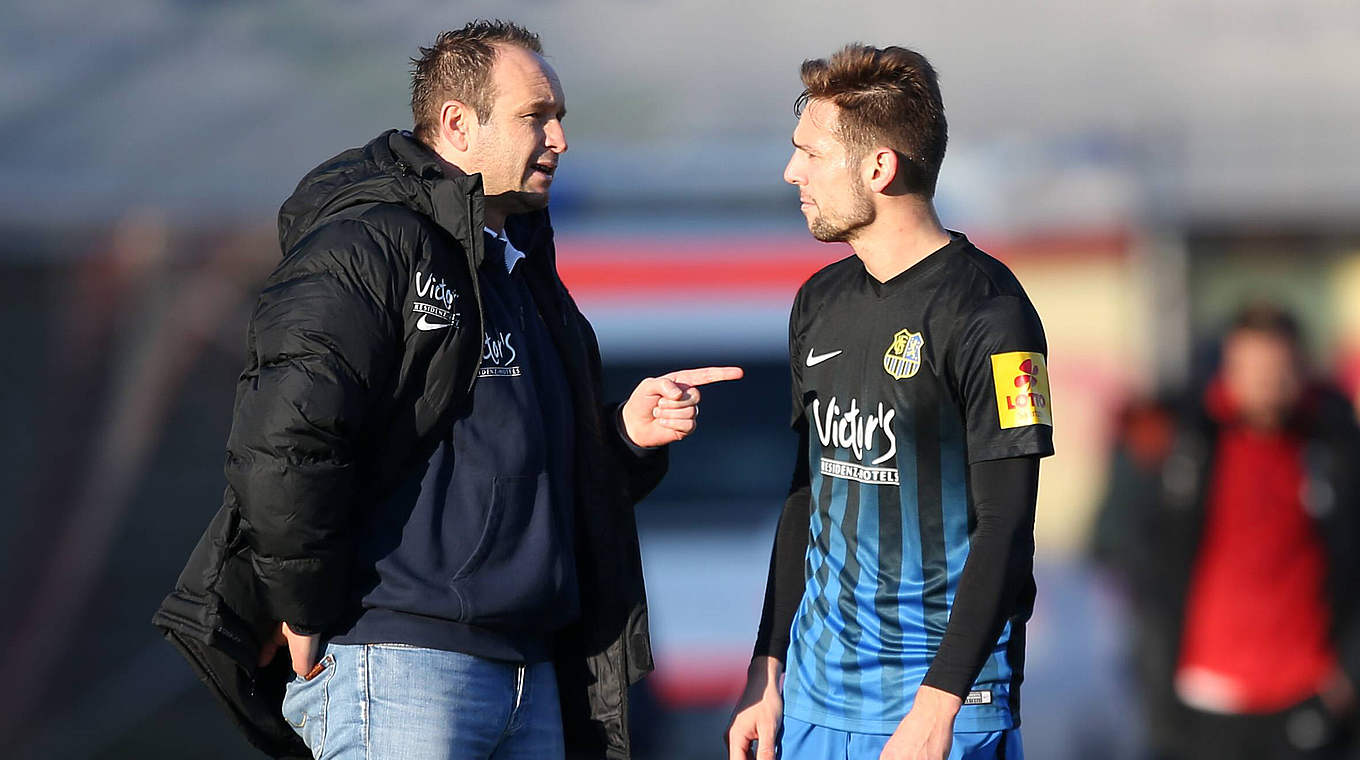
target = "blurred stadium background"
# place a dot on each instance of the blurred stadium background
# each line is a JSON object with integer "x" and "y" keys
{"x": 1143, "y": 167}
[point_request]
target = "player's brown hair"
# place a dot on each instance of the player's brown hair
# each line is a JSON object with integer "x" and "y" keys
{"x": 887, "y": 97}
{"x": 458, "y": 67}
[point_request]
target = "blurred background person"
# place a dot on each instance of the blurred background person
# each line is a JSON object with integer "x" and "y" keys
{"x": 1232, "y": 519}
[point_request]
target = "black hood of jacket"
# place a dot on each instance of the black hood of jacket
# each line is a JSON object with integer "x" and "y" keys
{"x": 394, "y": 167}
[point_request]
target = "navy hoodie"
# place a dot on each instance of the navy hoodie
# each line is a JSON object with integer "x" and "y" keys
{"x": 474, "y": 552}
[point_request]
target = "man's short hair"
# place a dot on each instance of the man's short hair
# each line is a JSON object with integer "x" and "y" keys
{"x": 1270, "y": 319}
{"x": 888, "y": 97}
{"x": 458, "y": 67}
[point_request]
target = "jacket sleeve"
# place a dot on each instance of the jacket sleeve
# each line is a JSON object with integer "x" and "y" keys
{"x": 645, "y": 467}
{"x": 1333, "y": 497}
{"x": 322, "y": 343}
{"x": 642, "y": 469}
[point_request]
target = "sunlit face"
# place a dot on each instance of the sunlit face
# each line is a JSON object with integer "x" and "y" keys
{"x": 517, "y": 149}
{"x": 1262, "y": 373}
{"x": 833, "y": 195}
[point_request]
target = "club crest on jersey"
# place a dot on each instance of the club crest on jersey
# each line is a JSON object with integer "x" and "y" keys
{"x": 903, "y": 357}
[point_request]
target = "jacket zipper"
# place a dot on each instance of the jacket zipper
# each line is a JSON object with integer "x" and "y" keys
{"x": 476, "y": 296}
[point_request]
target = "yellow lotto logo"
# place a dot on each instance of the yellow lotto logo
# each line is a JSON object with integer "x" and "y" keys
{"x": 1022, "y": 393}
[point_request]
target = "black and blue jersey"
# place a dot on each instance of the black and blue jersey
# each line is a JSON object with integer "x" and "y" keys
{"x": 900, "y": 389}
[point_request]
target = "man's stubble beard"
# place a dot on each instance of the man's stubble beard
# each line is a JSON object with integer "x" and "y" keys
{"x": 840, "y": 228}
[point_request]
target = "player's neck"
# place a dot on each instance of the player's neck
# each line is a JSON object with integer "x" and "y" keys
{"x": 898, "y": 239}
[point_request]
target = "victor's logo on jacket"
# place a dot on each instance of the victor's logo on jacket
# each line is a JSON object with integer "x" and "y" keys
{"x": 434, "y": 303}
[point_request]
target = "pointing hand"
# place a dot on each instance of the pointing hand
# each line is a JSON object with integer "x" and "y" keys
{"x": 665, "y": 409}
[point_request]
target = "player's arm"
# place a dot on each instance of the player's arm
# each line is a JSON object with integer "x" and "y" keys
{"x": 996, "y": 578}
{"x": 760, "y": 709}
{"x": 998, "y": 354}
{"x": 998, "y": 574}
{"x": 784, "y": 583}
{"x": 998, "y": 360}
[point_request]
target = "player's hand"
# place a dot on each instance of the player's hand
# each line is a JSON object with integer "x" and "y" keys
{"x": 665, "y": 409}
{"x": 758, "y": 713}
{"x": 302, "y": 650}
{"x": 928, "y": 730}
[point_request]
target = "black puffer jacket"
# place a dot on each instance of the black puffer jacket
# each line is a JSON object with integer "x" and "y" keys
{"x": 346, "y": 388}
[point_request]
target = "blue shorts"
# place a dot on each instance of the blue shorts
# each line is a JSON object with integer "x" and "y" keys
{"x": 805, "y": 741}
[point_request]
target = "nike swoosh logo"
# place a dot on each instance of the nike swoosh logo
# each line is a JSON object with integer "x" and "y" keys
{"x": 426, "y": 324}
{"x": 813, "y": 361}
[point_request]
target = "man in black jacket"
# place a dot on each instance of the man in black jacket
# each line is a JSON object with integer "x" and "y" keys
{"x": 426, "y": 546}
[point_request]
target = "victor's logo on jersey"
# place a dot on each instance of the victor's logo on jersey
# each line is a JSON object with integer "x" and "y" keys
{"x": 858, "y": 432}
{"x": 853, "y": 429}
{"x": 903, "y": 357}
{"x": 1022, "y": 393}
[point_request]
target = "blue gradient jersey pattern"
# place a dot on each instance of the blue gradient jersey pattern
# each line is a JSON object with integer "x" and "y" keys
{"x": 898, "y": 387}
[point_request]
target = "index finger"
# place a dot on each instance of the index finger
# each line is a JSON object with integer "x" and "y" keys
{"x": 705, "y": 375}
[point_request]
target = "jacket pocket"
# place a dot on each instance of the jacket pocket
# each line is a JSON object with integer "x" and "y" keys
{"x": 520, "y": 570}
{"x": 512, "y": 499}
{"x": 490, "y": 550}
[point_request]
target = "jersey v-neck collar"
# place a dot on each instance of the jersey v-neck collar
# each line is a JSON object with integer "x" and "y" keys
{"x": 933, "y": 260}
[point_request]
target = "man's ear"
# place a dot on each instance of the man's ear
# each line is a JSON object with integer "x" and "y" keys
{"x": 457, "y": 124}
{"x": 880, "y": 169}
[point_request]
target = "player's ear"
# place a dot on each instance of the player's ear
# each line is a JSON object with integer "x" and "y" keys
{"x": 880, "y": 169}
{"x": 457, "y": 124}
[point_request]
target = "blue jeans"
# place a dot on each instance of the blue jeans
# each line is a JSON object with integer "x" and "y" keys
{"x": 399, "y": 702}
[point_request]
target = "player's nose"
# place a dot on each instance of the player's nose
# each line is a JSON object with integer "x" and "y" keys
{"x": 792, "y": 172}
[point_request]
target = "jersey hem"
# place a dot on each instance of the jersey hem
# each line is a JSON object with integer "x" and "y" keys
{"x": 971, "y": 719}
